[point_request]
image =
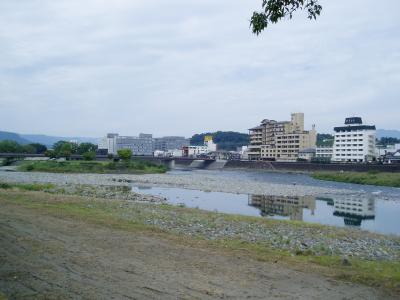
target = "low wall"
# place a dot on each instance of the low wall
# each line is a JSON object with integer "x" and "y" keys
{"x": 304, "y": 166}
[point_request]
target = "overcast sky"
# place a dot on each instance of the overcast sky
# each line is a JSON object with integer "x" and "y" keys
{"x": 85, "y": 68}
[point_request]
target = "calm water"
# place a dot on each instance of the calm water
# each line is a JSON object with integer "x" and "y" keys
{"x": 372, "y": 212}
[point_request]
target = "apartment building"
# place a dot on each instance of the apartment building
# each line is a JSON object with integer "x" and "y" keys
{"x": 171, "y": 143}
{"x": 141, "y": 145}
{"x": 354, "y": 142}
{"x": 324, "y": 152}
{"x": 280, "y": 140}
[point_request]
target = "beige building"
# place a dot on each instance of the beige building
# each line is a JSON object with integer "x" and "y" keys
{"x": 282, "y": 141}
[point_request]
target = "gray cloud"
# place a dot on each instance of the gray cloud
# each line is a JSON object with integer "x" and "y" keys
{"x": 74, "y": 67}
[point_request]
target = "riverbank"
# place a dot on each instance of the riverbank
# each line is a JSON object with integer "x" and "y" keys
{"x": 129, "y": 167}
{"x": 190, "y": 180}
{"x": 367, "y": 178}
{"x": 349, "y": 255}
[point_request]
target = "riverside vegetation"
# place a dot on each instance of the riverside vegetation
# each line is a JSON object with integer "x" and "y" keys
{"x": 126, "y": 167}
{"x": 349, "y": 255}
{"x": 372, "y": 177}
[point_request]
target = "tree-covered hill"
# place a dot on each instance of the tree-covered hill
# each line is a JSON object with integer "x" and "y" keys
{"x": 11, "y": 136}
{"x": 225, "y": 140}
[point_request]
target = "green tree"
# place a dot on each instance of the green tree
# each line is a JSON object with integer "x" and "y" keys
{"x": 39, "y": 148}
{"x": 275, "y": 10}
{"x": 57, "y": 146}
{"x": 89, "y": 155}
{"x": 65, "y": 151}
{"x": 50, "y": 153}
{"x": 86, "y": 147}
{"x": 8, "y": 146}
{"x": 384, "y": 141}
{"x": 125, "y": 154}
{"x": 28, "y": 149}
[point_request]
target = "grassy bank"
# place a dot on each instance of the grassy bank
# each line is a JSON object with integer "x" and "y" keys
{"x": 131, "y": 167}
{"x": 121, "y": 216}
{"x": 372, "y": 178}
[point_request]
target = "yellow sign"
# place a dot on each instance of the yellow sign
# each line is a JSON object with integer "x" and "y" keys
{"x": 208, "y": 138}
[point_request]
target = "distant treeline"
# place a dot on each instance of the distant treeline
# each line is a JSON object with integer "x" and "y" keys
{"x": 226, "y": 140}
{"x": 384, "y": 141}
{"x": 8, "y": 146}
{"x": 59, "y": 149}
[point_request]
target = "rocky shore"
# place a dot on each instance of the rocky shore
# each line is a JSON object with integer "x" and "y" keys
{"x": 204, "y": 182}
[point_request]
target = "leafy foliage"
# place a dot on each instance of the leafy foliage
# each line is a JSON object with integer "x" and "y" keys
{"x": 89, "y": 155}
{"x": 86, "y": 147}
{"x": 226, "y": 140}
{"x": 9, "y": 146}
{"x": 66, "y": 149}
{"x": 384, "y": 141}
{"x": 275, "y": 10}
{"x": 125, "y": 154}
{"x": 126, "y": 167}
{"x": 325, "y": 139}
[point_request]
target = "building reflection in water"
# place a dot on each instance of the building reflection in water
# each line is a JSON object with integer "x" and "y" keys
{"x": 291, "y": 207}
{"x": 353, "y": 210}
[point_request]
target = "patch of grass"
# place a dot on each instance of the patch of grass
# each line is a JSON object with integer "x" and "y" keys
{"x": 27, "y": 186}
{"x": 2, "y": 296}
{"x": 130, "y": 167}
{"x": 371, "y": 177}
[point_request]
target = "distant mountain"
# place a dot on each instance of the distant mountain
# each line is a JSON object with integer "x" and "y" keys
{"x": 225, "y": 140}
{"x": 4, "y": 135}
{"x": 387, "y": 133}
{"x": 42, "y": 139}
{"x": 50, "y": 140}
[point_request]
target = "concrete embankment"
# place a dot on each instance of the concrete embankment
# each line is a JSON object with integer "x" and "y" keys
{"x": 309, "y": 167}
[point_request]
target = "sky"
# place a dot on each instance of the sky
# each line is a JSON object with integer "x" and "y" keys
{"x": 85, "y": 68}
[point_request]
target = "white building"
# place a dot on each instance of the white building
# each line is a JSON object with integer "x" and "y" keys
{"x": 109, "y": 142}
{"x": 354, "y": 142}
{"x": 324, "y": 152}
{"x": 193, "y": 151}
{"x": 307, "y": 154}
{"x": 141, "y": 145}
{"x": 384, "y": 150}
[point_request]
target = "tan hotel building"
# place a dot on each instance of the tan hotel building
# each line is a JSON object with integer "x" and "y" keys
{"x": 281, "y": 141}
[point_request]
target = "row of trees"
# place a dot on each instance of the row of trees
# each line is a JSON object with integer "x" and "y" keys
{"x": 60, "y": 149}
{"x": 66, "y": 149}
{"x": 8, "y": 146}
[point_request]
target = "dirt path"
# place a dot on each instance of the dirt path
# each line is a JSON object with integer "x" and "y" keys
{"x": 44, "y": 257}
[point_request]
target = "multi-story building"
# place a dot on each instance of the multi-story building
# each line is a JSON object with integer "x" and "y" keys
{"x": 171, "y": 143}
{"x": 282, "y": 141}
{"x": 141, "y": 145}
{"x": 354, "y": 142}
{"x": 207, "y": 147}
{"x": 324, "y": 152}
{"x": 109, "y": 143}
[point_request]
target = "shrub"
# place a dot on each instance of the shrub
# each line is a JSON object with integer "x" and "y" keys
{"x": 125, "y": 154}
{"x": 29, "y": 167}
{"x": 90, "y": 155}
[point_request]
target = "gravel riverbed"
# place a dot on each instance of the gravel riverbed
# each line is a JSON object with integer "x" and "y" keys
{"x": 204, "y": 182}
